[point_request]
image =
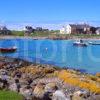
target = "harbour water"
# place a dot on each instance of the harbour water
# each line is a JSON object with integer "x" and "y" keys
{"x": 60, "y": 53}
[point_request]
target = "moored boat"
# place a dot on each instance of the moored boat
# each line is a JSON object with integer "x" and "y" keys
{"x": 8, "y": 50}
{"x": 80, "y": 43}
{"x": 94, "y": 43}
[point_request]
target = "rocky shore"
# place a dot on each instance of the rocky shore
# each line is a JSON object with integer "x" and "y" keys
{"x": 46, "y": 82}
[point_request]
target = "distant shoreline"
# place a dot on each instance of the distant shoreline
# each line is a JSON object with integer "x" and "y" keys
{"x": 51, "y": 38}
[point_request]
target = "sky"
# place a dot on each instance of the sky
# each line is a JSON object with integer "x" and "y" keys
{"x": 49, "y": 11}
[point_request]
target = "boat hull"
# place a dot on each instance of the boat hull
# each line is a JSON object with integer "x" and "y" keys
{"x": 94, "y": 43}
{"x": 80, "y": 44}
{"x": 7, "y": 50}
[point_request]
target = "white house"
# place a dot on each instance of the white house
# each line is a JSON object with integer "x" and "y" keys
{"x": 62, "y": 30}
{"x": 98, "y": 31}
{"x": 66, "y": 30}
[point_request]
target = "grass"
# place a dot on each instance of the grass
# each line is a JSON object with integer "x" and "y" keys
{"x": 55, "y": 33}
{"x": 78, "y": 35}
{"x": 40, "y": 34}
{"x": 8, "y": 95}
{"x": 18, "y": 33}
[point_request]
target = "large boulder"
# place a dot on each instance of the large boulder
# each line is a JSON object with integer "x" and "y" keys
{"x": 13, "y": 87}
{"x": 50, "y": 87}
{"x": 80, "y": 95}
{"x": 98, "y": 74}
{"x": 39, "y": 91}
{"x": 59, "y": 95}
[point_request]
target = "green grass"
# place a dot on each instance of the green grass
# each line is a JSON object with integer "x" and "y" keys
{"x": 8, "y": 95}
{"x": 79, "y": 35}
{"x": 40, "y": 34}
{"x": 51, "y": 34}
{"x": 18, "y": 33}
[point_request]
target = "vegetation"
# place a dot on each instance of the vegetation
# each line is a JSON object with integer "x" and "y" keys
{"x": 8, "y": 95}
{"x": 54, "y": 33}
{"x": 37, "y": 69}
{"x": 40, "y": 34}
{"x": 18, "y": 33}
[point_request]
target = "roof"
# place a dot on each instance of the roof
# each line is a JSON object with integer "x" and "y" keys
{"x": 98, "y": 28}
{"x": 80, "y": 26}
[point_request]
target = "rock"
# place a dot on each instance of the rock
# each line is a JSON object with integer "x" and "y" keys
{"x": 80, "y": 95}
{"x": 98, "y": 74}
{"x": 50, "y": 87}
{"x": 49, "y": 70}
{"x": 59, "y": 95}
{"x": 27, "y": 93}
{"x": 39, "y": 91}
{"x": 13, "y": 87}
{"x": 1, "y": 85}
{"x": 1, "y": 65}
{"x": 47, "y": 96}
{"x": 95, "y": 97}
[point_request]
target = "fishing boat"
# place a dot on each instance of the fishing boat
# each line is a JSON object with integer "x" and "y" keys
{"x": 8, "y": 50}
{"x": 80, "y": 43}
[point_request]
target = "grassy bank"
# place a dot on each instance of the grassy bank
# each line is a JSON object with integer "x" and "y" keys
{"x": 54, "y": 34}
{"x": 18, "y": 33}
{"x": 8, "y": 95}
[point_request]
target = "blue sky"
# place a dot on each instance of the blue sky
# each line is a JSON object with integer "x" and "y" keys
{"x": 49, "y": 11}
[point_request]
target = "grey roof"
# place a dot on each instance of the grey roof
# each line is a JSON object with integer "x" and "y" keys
{"x": 98, "y": 28}
{"x": 80, "y": 26}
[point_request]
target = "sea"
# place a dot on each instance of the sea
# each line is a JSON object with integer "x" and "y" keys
{"x": 60, "y": 53}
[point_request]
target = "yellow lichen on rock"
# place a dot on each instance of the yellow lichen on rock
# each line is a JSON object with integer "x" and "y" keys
{"x": 78, "y": 80}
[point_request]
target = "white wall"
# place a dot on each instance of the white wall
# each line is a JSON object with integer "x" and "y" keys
{"x": 98, "y": 32}
{"x": 66, "y": 30}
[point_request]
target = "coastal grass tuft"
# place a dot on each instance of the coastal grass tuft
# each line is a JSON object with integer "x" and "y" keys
{"x": 9, "y": 95}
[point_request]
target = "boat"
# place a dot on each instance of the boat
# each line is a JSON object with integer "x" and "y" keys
{"x": 80, "y": 43}
{"x": 94, "y": 43}
{"x": 8, "y": 50}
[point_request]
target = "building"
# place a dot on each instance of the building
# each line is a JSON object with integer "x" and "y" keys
{"x": 93, "y": 30}
{"x": 66, "y": 30}
{"x": 80, "y": 29}
{"x": 76, "y": 29}
{"x": 4, "y": 31}
{"x": 38, "y": 29}
{"x": 28, "y": 30}
{"x": 41, "y": 29}
{"x": 98, "y": 31}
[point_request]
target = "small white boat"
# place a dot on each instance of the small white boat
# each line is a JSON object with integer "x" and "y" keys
{"x": 94, "y": 43}
{"x": 90, "y": 42}
{"x": 80, "y": 43}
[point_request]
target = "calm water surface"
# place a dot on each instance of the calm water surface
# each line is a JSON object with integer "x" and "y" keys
{"x": 58, "y": 52}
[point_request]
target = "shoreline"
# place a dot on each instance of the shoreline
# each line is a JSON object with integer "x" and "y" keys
{"x": 51, "y": 65}
{"x": 51, "y": 38}
{"x": 82, "y": 71}
{"x": 42, "y": 78}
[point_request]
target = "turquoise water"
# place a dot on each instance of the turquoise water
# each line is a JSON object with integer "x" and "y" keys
{"x": 56, "y": 52}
